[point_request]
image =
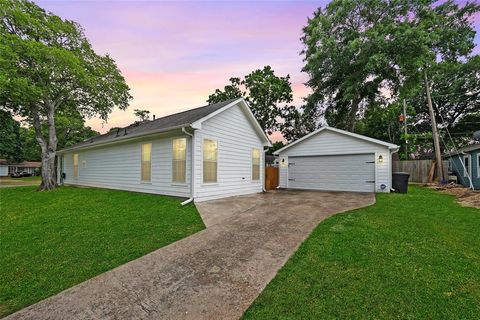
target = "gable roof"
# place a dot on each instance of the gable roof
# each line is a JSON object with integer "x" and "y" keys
{"x": 466, "y": 149}
{"x": 189, "y": 118}
{"x": 347, "y": 133}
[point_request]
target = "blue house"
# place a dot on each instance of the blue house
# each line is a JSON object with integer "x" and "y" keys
{"x": 466, "y": 166}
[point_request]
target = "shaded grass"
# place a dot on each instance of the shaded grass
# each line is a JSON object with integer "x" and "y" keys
{"x": 7, "y": 181}
{"x": 406, "y": 257}
{"x": 50, "y": 241}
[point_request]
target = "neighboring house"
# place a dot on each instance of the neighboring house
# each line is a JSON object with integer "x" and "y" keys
{"x": 337, "y": 160}
{"x": 7, "y": 168}
{"x": 467, "y": 158}
{"x": 205, "y": 153}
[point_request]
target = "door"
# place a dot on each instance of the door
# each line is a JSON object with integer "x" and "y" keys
{"x": 336, "y": 173}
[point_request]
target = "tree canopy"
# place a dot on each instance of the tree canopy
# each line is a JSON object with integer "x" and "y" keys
{"x": 362, "y": 53}
{"x": 263, "y": 90}
{"x": 49, "y": 68}
{"x": 142, "y": 115}
{"x": 10, "y": 141}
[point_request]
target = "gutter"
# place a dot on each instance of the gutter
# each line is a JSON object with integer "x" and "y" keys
{"x": 192, "y": 168}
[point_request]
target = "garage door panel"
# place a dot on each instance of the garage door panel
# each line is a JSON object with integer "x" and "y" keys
{"x": 341, "y": 173}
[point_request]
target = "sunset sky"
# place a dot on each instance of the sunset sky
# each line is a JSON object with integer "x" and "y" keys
{"x": 174, "y": 54}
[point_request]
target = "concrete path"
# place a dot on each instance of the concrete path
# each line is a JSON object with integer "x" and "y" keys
{"x": 213, "y": 274}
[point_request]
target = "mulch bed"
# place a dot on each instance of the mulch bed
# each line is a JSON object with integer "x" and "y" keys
{"x": 466, "y": 197}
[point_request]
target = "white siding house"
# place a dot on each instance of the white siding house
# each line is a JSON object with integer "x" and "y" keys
{"x": 167, "y": 156}
{"x": 333, "y": 159}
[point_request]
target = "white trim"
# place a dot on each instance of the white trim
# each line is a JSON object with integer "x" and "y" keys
{"x": 347, "y": 133}
{"x": 198, "y": 124}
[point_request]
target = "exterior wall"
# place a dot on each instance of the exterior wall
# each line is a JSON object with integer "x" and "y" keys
{"x": 118, "y": 167}
{"x": 333, "y": 143}
{"x": 235, "y": 138}
{"x": 457, "y": 168}
{"x": 3, "y": 171}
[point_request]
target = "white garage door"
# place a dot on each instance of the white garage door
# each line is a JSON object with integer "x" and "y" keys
{"x": 339, "y": 173}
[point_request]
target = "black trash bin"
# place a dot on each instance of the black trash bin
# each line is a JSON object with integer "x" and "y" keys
{"x": 400, "y": 181}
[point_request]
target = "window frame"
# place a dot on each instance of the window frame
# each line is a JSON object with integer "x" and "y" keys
{"x": 184, "y": 160}
{"x": 142, "y": 161}
{"x": 259, "y": 164}
{"x": 478, "y": 165}
{"x": 467, "y": 169}
{"x": 75, "y": 159}
{"x": 203, "y": 161}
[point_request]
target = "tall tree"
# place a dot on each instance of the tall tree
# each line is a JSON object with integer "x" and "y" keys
{"x": 456, "y": 99}
{"x": 49, "y": 67}
{"x": 263, "y": 90}
{"x": 142, "y": 115}
{"x": 359, "y": 52}
{"x": 10, "y": 141}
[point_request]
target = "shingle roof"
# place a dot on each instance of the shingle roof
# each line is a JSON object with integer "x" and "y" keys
{"x": 26, "y": 164}
{"x": 172, "y": 121}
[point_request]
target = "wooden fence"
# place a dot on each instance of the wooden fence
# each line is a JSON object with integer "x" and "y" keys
{"x": 419, "y": 169}
{"x": 271, "y": 178}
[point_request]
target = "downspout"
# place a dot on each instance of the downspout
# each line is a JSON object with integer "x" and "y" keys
{"x": 192, "y": 166}
{"x": 264, "y": 169}
{"x": 395, "y": 150}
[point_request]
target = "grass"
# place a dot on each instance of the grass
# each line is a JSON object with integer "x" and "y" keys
{"x": 7, "y": 181}
{"x": 413, "y": 256}
{"x": 50, "y": 241}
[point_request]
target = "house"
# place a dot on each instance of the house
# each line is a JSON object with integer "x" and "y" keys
{"x": 465, "y": 164}
{"x": 337, "y": 160}
{"x": 205, "y": 153}
{"x": 7, "y": 168}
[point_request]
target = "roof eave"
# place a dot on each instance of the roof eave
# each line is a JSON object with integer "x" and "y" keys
{"x": 390, "y": 146}
{"x": 124, "y": 138}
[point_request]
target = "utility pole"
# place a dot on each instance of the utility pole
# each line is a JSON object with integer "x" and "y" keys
{"x": 436, "y": 141}
{"x": 405, "y": 127}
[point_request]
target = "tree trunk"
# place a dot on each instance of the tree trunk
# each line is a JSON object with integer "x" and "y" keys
{"x": 352, "y": 115}
{"x": 49, "y": 148}
{"x": 49, "y": 179}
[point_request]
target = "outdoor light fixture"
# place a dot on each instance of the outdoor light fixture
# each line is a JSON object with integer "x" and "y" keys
{"x": 283, "y": 162}
{"x": 380, "y": 159}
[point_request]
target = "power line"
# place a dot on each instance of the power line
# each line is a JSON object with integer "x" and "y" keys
{"x": 456, "y": 150}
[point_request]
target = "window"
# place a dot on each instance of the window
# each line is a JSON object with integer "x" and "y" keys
{"x": 466, "y": 163}
{"x": 146, "y": 174}
{"x": 210, "y": 153}
{"x": 478, "y": 165}
{"x": 179, "y": 160}
{"x": 75, "y": 165}
{"x": 256, "y": 164}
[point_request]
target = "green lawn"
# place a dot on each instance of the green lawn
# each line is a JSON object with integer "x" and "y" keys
{"x": 50, "y": 241}
{"x": 414, "y": 256}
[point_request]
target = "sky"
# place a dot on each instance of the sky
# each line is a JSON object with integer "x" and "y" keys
{"x": 173, "y": 54}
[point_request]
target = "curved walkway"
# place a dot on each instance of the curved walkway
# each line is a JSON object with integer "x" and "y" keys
{"x": 213, "y": 274}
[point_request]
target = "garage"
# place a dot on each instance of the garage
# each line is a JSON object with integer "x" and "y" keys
{"x": 336, "y": 160}
{"x": 336, "y": 173}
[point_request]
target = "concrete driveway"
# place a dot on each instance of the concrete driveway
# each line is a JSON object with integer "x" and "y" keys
{"x": 213, "y": 274}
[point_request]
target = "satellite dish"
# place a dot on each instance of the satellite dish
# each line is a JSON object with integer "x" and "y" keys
{"x": 476, "y": 135}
